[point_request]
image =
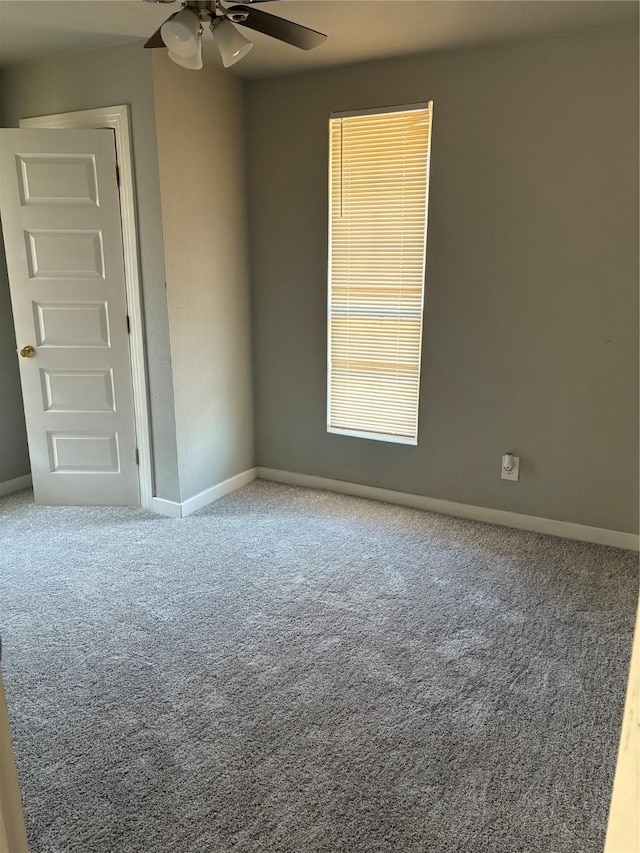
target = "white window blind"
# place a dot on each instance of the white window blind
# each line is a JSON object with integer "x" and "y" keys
{"x": 378, "y": 192}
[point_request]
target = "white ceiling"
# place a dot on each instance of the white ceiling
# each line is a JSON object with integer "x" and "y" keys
{"x": 357, "y": 29}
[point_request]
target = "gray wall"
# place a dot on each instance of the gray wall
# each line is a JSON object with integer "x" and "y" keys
{"x": 199, "y": 123}
{"x": 14, "y": 453}
{"x": 116, "y": 75}
{"x": 531, "y": 330}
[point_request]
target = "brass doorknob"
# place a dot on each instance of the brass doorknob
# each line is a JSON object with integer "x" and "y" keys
{"x": 27, "y": 352}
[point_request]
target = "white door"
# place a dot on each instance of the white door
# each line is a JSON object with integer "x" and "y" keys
{"x": 61, "y": 221}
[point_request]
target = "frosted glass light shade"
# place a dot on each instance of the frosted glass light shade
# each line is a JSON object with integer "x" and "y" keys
{"x": 193, "y": 62}
{"x": 180, "y": 34}
{"x": 231, "y": 43}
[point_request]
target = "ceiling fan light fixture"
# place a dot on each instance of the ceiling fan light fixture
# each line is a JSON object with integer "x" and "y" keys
{"x": 194, "y": 63}
{"x": 233, "y": 46}
{"x": 180, "y": 33}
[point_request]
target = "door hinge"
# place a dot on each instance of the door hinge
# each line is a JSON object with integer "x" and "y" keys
{"x": 117, "y": 175}
{"x": 137, "y": 456}
{"x": 128, "y": 325}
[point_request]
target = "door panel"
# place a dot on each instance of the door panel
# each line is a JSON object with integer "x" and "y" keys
{"x": 77, "y": 390}
{"x": 46, "y": 179}
{"x": 61, "y": 222}
{"x": 55, "y": 254}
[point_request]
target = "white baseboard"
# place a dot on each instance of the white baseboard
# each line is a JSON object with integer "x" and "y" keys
{"x": 181, "y": 510}
{"x": 218, "y": 491}
{"x": 8, "y": 487}
{"x": 565, "y": 529}
{"x": 168, "y": 508}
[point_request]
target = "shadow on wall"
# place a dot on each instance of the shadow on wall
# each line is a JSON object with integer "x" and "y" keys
{"x": 14, "y": 452}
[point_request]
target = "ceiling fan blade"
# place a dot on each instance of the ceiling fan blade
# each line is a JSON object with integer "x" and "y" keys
{"x": 279, "y": 28}
{"x": 156, "y": 38}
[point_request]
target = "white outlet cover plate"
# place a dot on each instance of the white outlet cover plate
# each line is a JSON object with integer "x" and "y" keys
{"x": 514, "y": 474}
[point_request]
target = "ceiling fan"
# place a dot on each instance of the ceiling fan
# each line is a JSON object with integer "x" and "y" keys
{"x": 182, "y": 32}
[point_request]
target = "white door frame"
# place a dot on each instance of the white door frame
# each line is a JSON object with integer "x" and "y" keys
{"x": 117, "y": 118}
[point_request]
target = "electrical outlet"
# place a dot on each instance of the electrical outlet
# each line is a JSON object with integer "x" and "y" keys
{"x": 510, "y": 467}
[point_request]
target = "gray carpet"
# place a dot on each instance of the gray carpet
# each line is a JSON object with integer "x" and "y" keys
{"x": 291, "y": 671}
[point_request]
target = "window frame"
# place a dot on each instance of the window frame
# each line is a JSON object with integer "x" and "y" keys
{"x": 378, "y": 111}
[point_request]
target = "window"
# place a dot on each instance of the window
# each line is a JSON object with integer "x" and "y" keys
{"x": 378, "y": 191}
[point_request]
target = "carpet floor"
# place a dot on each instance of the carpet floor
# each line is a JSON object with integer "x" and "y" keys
{"x": 292, "y": 671}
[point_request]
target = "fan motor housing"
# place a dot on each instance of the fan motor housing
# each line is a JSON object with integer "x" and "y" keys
{"x": 237, "y": 17}
{"x": 207, "y": 6}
